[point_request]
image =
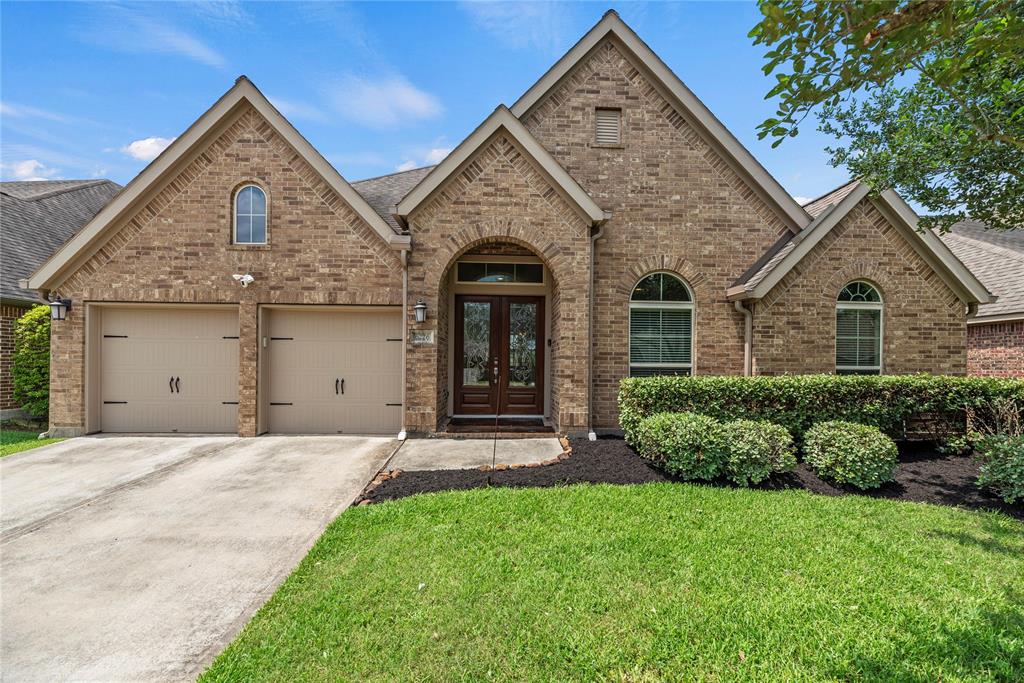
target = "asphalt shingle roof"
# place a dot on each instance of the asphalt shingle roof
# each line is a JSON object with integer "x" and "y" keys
{"x": 36, "y": 218}
{"x": 996, "y": 257}
{"x": 384, "y": 192}
{"x": 816, "y": 207}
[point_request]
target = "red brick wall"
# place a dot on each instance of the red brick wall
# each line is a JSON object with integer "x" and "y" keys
{"x": 8, "y": 314}
{"x": 996, "y": 349}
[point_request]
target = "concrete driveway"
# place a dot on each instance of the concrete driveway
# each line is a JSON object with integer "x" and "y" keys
{"x": 139, "y": 558}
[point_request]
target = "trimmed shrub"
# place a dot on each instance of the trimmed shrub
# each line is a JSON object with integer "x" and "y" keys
{"x": 756, "y": 450}
{"x": 687, "y": 445}
{"x": 30, "y": 364}
{"x": 797, "y": 402}
{"x": 1002, "y": 465}
{"x": 849, "y": 453}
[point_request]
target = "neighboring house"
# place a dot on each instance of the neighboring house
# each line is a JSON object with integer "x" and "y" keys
{"x": 36, "y": 217}
{"x": 995, "y": 335}
{"x": 605, "y": 225}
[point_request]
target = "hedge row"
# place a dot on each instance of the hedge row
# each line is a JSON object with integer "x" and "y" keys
{"x": 797, "y": 402}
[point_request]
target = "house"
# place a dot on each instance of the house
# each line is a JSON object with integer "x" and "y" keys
{"x": 995, "y": 336}
{"x": 36, "y": 217}
{"x": 604, "y": 225}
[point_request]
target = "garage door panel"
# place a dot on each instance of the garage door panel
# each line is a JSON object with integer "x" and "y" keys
{"x": 311, "y": 349}
{"x": 143, "y": 349}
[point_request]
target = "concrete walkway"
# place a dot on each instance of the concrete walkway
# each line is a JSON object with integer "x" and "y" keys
{"x": 147, "y": 566}
{"x": 457, "y": 454}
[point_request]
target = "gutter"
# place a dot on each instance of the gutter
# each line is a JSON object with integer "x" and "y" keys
{"x": 748, "y": 334}
{"x": 402, "y": 435}
{"x": 594, "y": 237}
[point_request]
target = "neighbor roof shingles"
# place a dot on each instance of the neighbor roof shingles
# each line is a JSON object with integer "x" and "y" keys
{"x": 36, "y": 218}
{"x": 384, "y": 192}
{"x": 996, "y": 257}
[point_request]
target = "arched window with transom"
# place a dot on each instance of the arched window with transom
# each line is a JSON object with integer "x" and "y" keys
{"x": 859, "y": 309}
{"x": 250, "y": 215}
{"x": 660, "y": 327}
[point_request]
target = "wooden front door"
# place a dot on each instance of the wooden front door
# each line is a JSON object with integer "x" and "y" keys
{"x": 499, "y": 355}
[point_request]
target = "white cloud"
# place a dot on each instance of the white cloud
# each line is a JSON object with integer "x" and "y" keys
{"x": 406, "y": 165}
{"x": 437, "y": 155}
{"x": 297, "y": 110}
{"x": 546, "y": 26}
{"x": 147, "y": 29}
{"x": 382, "y": 102}
{"x": 146, "y": 149}
{"x": 21, "y": 111}
{"x": 29, "y": 169}
{"x": 802, "y": 200}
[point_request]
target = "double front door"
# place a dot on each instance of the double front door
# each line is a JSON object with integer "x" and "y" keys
{"x": 499, "y": 355}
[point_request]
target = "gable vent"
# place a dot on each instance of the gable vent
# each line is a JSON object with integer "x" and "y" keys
{"x": 609, "y": 124}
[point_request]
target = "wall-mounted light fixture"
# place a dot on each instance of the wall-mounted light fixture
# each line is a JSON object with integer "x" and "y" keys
{"x": 421, "y": 311}
{"x": 59, "y": 308}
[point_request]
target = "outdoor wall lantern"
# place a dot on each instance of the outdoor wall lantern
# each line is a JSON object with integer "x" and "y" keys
{"x": 421, "y": 311}
{"x": 59, "y": 308}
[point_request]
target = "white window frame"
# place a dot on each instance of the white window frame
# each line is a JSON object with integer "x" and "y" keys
{"x": 234, "y": 216}
{"x": 660, "y": 306}
{"x": 861, "y": 305}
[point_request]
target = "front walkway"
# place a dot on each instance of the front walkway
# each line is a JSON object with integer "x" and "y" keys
{"x": 139, "y": 558}
{"x": 459, "y": 454}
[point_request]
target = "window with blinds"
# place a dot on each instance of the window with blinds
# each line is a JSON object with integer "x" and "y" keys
{"x": 859, "y": 330}
{"x": 609, "y": 126}
{"x": 660, "y": 327}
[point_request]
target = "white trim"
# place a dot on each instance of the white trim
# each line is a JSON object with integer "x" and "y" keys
{"x": 1005, "y": 318}
{"x": 695, "y": 111}
{"x": 501, "y": 118}
{"x": 55, "y": 269}
{"x": 861, "y": 306}
{"x": 234, "y": 216}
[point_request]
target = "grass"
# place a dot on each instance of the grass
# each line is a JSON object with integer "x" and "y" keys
{"x": 12, "y": 441}
{"x": 645, "y": 583}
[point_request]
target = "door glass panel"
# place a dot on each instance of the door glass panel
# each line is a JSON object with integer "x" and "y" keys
{"x": 522, "y": 344}
{"x": 476, "y": 342}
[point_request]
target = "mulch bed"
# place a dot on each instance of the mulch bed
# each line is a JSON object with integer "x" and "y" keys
{"x": 924, "y": 476}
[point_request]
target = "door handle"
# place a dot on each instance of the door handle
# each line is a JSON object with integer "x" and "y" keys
{"x": 177, "y": 385}
{"x": 336, "y": 386}
{"x": 342, "y": 386}
{"x": 170, "y": 383}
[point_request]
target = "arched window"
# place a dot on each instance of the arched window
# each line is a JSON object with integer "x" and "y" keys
{"x": 859, "y": 330}
{"x": 660, "y": 327}
{"x": 250, "y": 215}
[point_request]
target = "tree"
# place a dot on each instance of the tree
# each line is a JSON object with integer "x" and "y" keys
{"x": 30, "y": 366}
{"x": 925, "y": 96}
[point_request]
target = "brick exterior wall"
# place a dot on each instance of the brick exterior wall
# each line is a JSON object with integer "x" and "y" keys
{"x": 177, "y": 248}
{"x": 676, "y": 206}
{"x": 500, "y": 198}
{"x": 996, "y": 349}
{"x": 8, "y": 314}
{"x": 924, "y": 328}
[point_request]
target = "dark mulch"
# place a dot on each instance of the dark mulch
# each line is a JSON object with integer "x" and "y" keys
{"x": 924, "y": 476}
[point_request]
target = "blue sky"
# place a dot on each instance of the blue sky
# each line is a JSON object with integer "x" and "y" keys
{"x": 97, "y": 89}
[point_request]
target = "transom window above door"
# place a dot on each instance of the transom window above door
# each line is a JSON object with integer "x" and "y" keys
{"x": 660, "y": 327}
{"x": 250, "y": 215}
{"x": 508, "y": 273}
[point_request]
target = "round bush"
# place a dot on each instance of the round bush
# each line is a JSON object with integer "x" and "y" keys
{"x": 687, "y": 445}
{"x": 756, "y": 449}
{"x": 1002, "y": 465}
{"x": 850, "y": 453}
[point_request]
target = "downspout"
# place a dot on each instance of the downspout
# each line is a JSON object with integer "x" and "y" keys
{"x": 748, "y": 334}
{"x": 594, "y": 237}
{"x": 405, "y": 340}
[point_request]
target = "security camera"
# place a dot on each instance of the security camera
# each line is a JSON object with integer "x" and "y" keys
{"x": 244, "y": 280}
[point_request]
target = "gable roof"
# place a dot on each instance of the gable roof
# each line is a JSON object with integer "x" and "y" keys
{"x": 695, "y": 112}
{"x": 996, "y": 257}
{"x": 501, "y": 118}
{"x": 384, "y": 192}
{"x": 177, "y": 154}
{"x": 36, "y": 218}
{"x": 763, "y": 276}
{"x": 816, "y": 207}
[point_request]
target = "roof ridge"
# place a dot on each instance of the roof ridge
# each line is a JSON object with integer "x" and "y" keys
{"x": 832, "y": 191}
{"x": 388, "y": 175}
{"x": 83, "y": 184}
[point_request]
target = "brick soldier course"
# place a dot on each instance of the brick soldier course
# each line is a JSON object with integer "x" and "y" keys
{"x": 676, "y": 194}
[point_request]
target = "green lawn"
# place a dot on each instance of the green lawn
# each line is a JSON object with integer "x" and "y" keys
{"x": 15, "y": 441}
{"x": 646, "y": 583}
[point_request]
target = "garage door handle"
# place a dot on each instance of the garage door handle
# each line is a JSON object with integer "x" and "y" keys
{"x": 177, "y": 385}
{"x": 170, "y": 383}
{"x": 336, "y": 386}
{"x": 342, "y": 386}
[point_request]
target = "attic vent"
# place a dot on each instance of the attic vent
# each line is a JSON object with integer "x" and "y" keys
{"x": 609, "y": 123}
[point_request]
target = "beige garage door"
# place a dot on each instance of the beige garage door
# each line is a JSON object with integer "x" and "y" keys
{"x": 168, "y": 370}
{"x": 334, "y": 371}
